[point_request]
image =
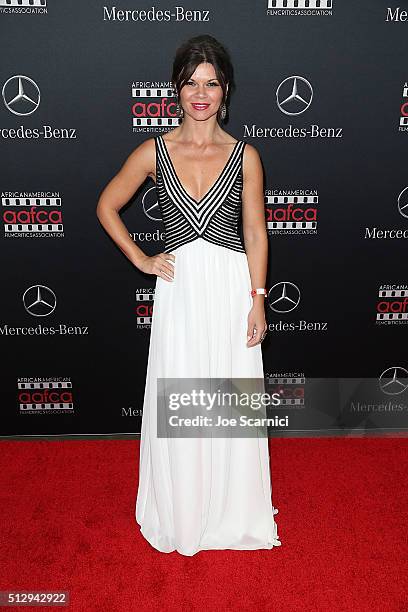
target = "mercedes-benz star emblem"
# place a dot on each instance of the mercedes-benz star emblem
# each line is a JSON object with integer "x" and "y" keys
{"x": 294, "y": 95}
{"x": 394, "y": 381}
{"x": 39, "y": 301}
{"x": 21, "y": 95}
{"x": 403, "y": 202}
{"x": 151, "y": 208}
{"x": 283, "y": 297}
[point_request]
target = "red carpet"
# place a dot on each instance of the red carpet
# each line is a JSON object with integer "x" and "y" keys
{"x": 67, "y": 523}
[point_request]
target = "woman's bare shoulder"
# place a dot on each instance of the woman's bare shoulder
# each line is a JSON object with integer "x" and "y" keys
{"x": 251, "y": 155}
{"x": 251, "y": 149}
{"x": 252, "y": 163}
{"x": 146, "y": 147}
{"x": 144, "y": 156}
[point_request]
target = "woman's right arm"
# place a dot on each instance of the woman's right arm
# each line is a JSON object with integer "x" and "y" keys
{"x": 136, "y": 169}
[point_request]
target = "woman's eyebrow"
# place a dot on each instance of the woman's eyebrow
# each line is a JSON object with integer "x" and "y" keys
{"x": 213, "y": 79}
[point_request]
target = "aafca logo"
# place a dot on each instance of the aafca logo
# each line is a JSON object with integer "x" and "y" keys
{"x": 403, "y": 123}
{"x": 291, "y": 212}
{"x": 299, "y": 7}
{"x": 18, "y": 7}
{"x": 289, "y": 386}
{"x": 144, "y": 307}
{"x": 392, "y": 305}
{"x": 48, "y": 395}
{"x": 153, "y": 107}
{"x": 32, "y": 215}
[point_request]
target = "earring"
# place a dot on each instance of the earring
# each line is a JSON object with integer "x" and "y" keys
{"x": 179, "y": 111}
{"x": 223, "y": 111}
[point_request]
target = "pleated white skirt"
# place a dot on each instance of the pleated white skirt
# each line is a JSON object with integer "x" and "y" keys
{"x": 203, "y": 493}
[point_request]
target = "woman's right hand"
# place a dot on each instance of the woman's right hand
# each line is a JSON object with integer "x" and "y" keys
{"x": 159, "y": 265}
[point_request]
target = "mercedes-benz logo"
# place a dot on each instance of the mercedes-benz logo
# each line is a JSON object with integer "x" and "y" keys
{"x": 403, "y": 202}
{"x": 283, "y": 297}
{"x": 151, "y": 207}
{"x": 394, "y": 380}
{"x": 294, "y": 95}
{"x": 39, "y": 301}
{"x": 21, "y": 95}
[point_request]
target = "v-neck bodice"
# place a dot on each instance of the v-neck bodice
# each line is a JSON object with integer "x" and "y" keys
{"x": 213, "y": 186}
{"x": 215, "y": 217}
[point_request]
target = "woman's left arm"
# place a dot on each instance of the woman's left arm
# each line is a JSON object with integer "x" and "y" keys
{"x": 255, "y": 237}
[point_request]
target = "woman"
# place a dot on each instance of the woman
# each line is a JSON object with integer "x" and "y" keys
{"x": 201, "y": 493}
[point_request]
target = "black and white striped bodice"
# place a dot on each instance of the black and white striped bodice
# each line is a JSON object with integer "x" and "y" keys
{"x": 215, "y": 217}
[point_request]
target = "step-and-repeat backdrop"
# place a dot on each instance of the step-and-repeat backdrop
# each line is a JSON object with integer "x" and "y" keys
{"x": 322, "y": 92}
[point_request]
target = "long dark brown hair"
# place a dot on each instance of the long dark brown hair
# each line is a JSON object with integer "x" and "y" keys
{"x": 199, "y": 49}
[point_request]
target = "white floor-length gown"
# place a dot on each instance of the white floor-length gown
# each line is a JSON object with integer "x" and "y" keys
{"x": 202, "y": 493}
